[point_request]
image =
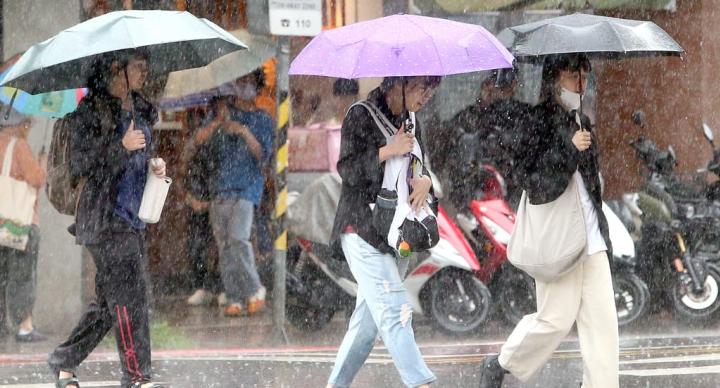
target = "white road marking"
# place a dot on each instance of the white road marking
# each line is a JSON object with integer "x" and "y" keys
{"x": 711, "y": 369}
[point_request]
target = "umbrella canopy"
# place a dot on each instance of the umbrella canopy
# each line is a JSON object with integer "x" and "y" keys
{"x": 52, "y": 104}
{"x": 223, "y": 70}
{"x": 597, "y": 36}
{"x": 401, "y": 45}
{"x": 199, "y": 98}
{"x": 175, "y": 41}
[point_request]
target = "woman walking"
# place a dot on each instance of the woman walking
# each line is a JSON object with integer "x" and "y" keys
{"x": 382, "y": 304}
{"x": 111, "y": 145}
{"x": 561, "y": 149}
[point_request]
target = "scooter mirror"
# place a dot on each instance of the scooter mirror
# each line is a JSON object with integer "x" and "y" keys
{"x": 708, "y": 133}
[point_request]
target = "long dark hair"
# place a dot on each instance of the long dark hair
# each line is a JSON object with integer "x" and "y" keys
{"x": 552, "y": 67}
{"x": 101, "y": 69}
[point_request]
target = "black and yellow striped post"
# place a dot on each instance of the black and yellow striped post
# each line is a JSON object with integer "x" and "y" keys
{"x": 281, "y": 158}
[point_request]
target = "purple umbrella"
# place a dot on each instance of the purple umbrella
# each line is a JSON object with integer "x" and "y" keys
{"x": 401, "y": 45}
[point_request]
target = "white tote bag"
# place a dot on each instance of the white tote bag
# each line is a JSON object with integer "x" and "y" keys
{"x": 550, "y": 239}
{"x": 17, "y": 205}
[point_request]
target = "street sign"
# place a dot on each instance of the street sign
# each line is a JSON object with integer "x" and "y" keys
{"x": 295, "y": 17}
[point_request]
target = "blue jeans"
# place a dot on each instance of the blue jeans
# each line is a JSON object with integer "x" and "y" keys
{"x": 232, "y": 221}
{"x": 382, "y": 303}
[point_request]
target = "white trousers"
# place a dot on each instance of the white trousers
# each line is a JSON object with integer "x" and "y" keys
{"x": 584, "y": 296}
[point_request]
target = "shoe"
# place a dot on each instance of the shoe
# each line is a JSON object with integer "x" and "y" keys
{"x": 33, "y": 336}
{"x": 233, "y": 310}
{"x": 491, "y": 374}
{"x": 199, "y": 297}
{"x": 68, "y": 382}
{"x": 256, "y": 303}
{"x": 146, "y": 384}
{"x": 222, "y": 299}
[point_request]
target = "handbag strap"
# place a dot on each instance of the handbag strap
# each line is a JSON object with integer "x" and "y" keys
{"x": 382, "y": 122}
{"x": 7, "y": 161}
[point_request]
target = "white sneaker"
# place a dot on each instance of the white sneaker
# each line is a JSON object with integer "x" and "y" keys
{"x": 222, "y": 299}
{"x": 200, "y": 297}
{"x": 261, "y": 293}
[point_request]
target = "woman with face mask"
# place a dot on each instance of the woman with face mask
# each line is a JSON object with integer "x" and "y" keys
{"x": 561, "y": 146}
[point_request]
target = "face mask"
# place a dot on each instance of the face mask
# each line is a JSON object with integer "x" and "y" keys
{"x": 570, "y": 100}
{"x": 247, "y": 92}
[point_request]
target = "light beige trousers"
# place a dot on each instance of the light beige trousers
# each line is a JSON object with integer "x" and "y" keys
{"x": 584, "y": 295}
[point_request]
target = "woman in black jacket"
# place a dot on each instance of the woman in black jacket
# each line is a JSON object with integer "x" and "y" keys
{"x": 382, "y": 304}
{"x": 111, "y": 145}
{"x": 557, "y": 149}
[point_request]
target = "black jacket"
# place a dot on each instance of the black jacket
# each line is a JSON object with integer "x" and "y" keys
{"x": 97, "y": 154}
{"x": 490, "y": 134}
{"x": 550, "y": 159}
{"x": 361, "y": 171}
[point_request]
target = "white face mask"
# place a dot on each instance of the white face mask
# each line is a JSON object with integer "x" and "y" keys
{"x": 247, "y": 92}
{"x": 570, "y": 100}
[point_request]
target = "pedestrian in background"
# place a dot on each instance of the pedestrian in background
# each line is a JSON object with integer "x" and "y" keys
{"x": 18, "y": 268}
{"x": 201, "y": 163}
{"x": 244, "y": 137}
{"x": 562, "y": 148}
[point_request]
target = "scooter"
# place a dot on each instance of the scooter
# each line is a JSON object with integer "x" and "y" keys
{"x": 670, "y": 265}
{"x": 488, "y": 228}
{"x": 487, "y": 223}
{"x": 441, "y": 283}
{"x": 632, "y": 294}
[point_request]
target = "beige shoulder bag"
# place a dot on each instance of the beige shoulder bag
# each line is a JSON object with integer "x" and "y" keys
{"x": 549, "y": 240}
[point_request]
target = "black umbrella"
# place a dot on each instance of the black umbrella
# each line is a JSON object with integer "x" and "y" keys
{"x": 596, "y": 36}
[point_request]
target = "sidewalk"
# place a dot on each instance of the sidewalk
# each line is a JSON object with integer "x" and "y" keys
{"x": 178, "y": 328}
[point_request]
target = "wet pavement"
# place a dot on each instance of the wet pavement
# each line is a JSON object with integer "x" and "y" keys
{"x": 220, "y": 352}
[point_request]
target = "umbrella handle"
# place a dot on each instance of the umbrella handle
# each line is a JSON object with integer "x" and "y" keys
{"x": 12, "y": 101}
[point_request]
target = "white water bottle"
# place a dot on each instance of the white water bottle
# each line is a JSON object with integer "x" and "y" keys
{"x": 153, "y": 200}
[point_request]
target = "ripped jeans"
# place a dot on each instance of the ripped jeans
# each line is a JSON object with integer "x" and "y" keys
{"x": 382, "y": 303}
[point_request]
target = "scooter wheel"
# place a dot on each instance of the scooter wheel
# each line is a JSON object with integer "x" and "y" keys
{"x": 632, "y": 298}
{"x": 458, "y": 302}
{"x": 698, "y": 307}
{"x": 516, "y": 294}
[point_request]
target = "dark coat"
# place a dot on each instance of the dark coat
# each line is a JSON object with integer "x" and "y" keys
{"x": 361, "y": 171}
{"x": 490, "y": 134}
{"x": 550, "y": 160}
{"x": 97, "y": 154}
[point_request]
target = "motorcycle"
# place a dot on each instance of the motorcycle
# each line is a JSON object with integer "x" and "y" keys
{"x": 665, "y": 253}
{"x": 488, "y": 228}
{"x": 441, "y": 283}
{"x": 487, "y": 223}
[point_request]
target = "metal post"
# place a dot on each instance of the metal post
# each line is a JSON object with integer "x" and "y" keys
{"x": 281, "y": 156}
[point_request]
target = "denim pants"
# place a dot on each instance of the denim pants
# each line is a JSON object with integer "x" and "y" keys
{"x": 381, "y": 303}
{"x": 232, "y": 221}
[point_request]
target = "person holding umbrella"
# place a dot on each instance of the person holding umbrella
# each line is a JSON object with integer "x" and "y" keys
{"x": 563, "y": 148}
{"x": 561, "y": 153}
{"x": 380, "y": 143}
{"x": 110, "y": 149}
{"x": 380, "y": 309}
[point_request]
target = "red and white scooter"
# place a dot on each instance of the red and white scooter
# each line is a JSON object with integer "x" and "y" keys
{"x": 441, "y": 283}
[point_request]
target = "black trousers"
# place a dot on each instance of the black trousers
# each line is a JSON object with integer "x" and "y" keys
{"x": 18, "y": 272}
{"x": 121, "y": 305}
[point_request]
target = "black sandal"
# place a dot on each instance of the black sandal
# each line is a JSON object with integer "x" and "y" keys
{"x": 63, "y": 383}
